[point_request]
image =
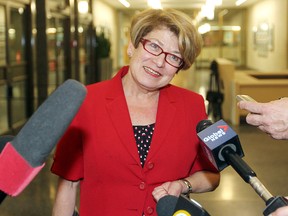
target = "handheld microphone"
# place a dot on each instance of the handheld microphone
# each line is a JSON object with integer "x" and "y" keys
{"x": 23, "y": 158}
{"x": 179, "y": 206}
{"x": 215, "y": 138}
{"x": 222, "y": 147}
{"x": 3, "y": 141}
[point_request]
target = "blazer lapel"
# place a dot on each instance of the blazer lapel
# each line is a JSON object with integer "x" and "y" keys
{"x": 165, "y": 116}
{"x": 118, "y": 111}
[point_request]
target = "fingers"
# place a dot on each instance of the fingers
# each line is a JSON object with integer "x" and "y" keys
{"x": 254, "y": 119}
{"x": 253, "y": 107}
{"x": 283, "y": 211}
{"x": 159, "y": 192}
{"x": 168, "y": 188}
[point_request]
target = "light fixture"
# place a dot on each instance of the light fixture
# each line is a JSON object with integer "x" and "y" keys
{"x": 204, "y": 28}
{"x": 156, "y": 4}
{"x": 125, "y": 3}
{"x": 207, "y": 10}
{"x": 20, "y": 10}
{"x": 218, "y": 2}
{"x": 83, "y": 7}
{"x": 239, "y": 2}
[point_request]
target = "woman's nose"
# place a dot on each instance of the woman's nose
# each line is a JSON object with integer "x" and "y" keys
{"x": 160, "y": 60}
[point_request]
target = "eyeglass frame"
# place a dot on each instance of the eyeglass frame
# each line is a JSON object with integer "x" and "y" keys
{"x": 143, "y": 41}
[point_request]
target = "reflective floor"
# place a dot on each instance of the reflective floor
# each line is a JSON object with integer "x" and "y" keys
{"x": 234, "y": 197}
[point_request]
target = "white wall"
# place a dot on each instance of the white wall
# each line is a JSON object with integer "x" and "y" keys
{"x": 274, "y": 12}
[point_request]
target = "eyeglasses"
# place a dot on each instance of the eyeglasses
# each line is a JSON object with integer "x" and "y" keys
{"x": 156, "y": 50}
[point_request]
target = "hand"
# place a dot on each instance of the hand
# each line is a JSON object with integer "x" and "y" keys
{"x": 283, "y": 211}
{"x": 174, "y": 188}
{"x": 271, "y": 117}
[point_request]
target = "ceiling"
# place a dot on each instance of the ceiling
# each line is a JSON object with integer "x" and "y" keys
{"x": 177, "y": 4}
{"x": 190, "y": 7}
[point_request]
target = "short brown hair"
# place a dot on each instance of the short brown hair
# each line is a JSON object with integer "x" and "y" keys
{"x": 189, "y": 40}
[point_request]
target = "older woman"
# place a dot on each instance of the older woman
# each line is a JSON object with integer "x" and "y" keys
{"x": 134, "y": 138}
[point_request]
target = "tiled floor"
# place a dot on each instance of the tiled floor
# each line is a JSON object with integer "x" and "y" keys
{"x": 234, "y": 197}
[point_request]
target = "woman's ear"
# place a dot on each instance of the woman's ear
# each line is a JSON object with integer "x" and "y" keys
{"x": 130, "y": 49}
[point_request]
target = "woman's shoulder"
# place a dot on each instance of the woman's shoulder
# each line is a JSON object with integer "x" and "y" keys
{"x": 177, "y": 92}
{"x": 113, "y": 83}
{"x": 98, "y": 85}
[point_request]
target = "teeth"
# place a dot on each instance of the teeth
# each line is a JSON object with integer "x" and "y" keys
{"x": 152, "y": 71}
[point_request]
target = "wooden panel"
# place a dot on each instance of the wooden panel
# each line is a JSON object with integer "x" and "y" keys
{"x": 262, "y": 86}
{"x": 262, "y": 90}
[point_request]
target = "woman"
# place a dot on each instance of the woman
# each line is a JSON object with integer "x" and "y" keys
{"x": 136, "y": 134}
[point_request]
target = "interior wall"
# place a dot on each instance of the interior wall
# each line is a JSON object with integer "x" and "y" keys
{"x": 275, "y": 14}
{"x": 271, "y": 11}
{"x": 124, "y": 21}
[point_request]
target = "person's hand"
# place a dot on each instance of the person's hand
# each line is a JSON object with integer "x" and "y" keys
{"x": 174, "y": 188}
{"x": 283, "y": 211}
{"x": 271, "y": 117}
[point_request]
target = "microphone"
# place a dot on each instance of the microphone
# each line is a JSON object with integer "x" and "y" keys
{"x": 215, "y": 137}
{"x": 3, "y": 141}
{"x": 179, "y": 206}
{"x": 23, "y": 157}
{"x": 222, "y": 147}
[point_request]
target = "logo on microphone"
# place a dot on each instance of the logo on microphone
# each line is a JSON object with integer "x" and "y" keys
{"x": 216, "y": 135}
{"x": 181, "y": 213}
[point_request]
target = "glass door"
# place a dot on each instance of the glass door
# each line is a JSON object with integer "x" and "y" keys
{"x": 56, "y": 61}
{"x": 16, "y": 69}
{"x": 13, "y": 64}
{"x": 3, "y": 82}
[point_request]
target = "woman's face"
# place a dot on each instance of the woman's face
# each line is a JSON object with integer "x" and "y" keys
{"x": 152, "y": 72}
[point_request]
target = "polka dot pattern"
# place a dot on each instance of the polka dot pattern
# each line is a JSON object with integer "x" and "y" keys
{"x": 143, "y": 136}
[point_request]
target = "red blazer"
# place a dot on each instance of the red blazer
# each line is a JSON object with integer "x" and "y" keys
{"x": 99, "y": 149}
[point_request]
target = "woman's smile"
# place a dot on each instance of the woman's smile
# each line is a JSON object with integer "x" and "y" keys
{"x": 152, "y": 72}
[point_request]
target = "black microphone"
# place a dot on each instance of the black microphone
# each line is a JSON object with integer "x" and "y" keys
{"x": 23, "y": 158}
{"x": 222, "y": 147}
{"x": 179, "y": 206}
{"x": 215, "y": 138}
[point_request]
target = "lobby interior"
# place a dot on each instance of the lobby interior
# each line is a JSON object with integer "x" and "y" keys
{"x": 249, "y": 51}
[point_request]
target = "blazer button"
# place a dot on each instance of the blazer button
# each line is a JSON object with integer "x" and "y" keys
{"x": 149, "y": 210}
{"x": 150, "y": 165}
{"x": 142, "y": 186}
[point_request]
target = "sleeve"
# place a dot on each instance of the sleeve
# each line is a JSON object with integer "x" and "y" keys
{"x": 202, "y": 163}
{"x": 68, "y": 158}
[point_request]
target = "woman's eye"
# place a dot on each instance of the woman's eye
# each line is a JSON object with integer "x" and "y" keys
{"x": 175, "y": 58}
{"x": 154, "y": 46}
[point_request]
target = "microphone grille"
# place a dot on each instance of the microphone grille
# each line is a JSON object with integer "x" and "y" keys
{"x": 46, "y": 126}
{"x": 203, "y": 125}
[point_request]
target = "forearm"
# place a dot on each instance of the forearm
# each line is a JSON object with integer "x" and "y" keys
{"x": 65, "y": 198}
{"x": 202, "y": 181}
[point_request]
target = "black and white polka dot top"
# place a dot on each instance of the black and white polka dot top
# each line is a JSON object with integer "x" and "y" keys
{"x": 143, "y": 136}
